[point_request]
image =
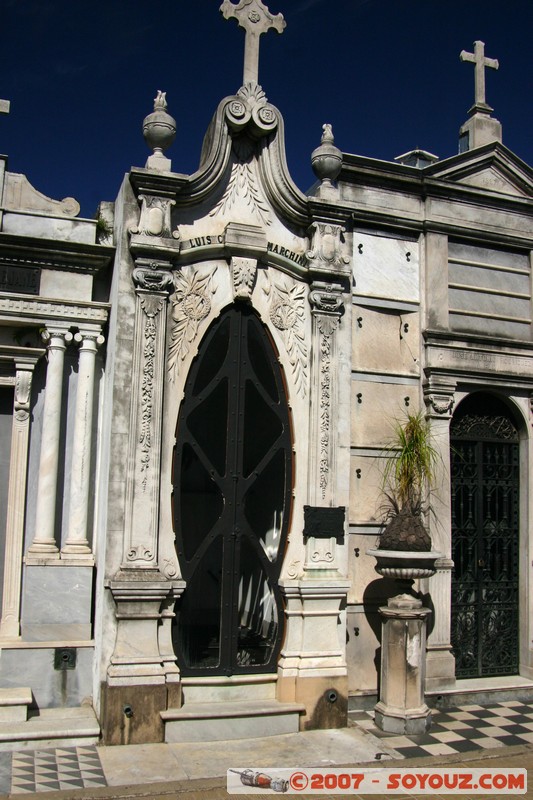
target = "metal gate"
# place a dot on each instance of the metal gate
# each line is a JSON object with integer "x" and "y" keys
{"x": 485, "y": 539}
{"x": 231, "y": 501}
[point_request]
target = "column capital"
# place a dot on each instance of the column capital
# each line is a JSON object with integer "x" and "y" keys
{"x": 54, "y": 336}
{"x": 153, "y": 275}
{"x": 89, "y": 340}
{"x": 439, "y": 396}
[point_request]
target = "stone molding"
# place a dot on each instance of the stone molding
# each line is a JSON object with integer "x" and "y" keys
{"x": 53, "y": 312}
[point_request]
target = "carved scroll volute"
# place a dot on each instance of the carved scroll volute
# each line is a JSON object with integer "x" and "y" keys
{"x": 22, "y": 394}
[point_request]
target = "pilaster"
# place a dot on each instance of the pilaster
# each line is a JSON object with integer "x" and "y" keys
{"x": 327, "y": 309}
{"x": 10, "y": 621}
{"x": 440, "y": 663}
{"x": 142, "y": 662}
{"x": 153, "y": 280}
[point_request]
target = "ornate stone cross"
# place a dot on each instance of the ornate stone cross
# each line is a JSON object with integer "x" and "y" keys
{"x": 255, "y": 18}
{"x": 478, "y": 58}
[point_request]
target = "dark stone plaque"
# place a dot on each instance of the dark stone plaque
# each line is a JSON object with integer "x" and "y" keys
{"x": 324, "y": 522}
{"x": 21, "y": 280}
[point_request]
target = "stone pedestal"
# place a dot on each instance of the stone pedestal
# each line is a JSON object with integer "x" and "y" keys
{"x": 401, "y": 708}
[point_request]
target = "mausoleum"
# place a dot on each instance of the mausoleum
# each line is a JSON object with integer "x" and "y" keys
{"x": 198, "y": 390}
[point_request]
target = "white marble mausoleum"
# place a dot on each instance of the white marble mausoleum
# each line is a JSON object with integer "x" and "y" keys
{"x": 197, "y": 393}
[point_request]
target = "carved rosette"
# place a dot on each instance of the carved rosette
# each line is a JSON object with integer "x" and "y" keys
{"x": 287, "y": 314}
{"x": 328, "y": 249}
{"x": 154, "y": 218}
{"x": 190, "y": 305}
{"x": 327, "y": 309}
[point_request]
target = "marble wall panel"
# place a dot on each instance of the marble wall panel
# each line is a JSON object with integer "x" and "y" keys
{"x": 376, "y": 407}
{"x": 51, "y": 688}
{"x": 386, "y": 267}
{"x": 385, "y": 341}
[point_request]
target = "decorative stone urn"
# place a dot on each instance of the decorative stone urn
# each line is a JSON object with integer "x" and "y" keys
{"x": 401, "y": 707}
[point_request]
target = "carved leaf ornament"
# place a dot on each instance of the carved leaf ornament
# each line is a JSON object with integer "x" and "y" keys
{"x": 287, "y": 313}
{"x": 190, "y": 304}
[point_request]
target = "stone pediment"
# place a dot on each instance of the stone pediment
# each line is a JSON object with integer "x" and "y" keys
{"x": 492, "y": 167}
{"x": 243, "y": 172}
{"x": 20, "y": 195}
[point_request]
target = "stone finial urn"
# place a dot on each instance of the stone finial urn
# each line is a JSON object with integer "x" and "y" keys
{"x": 326, "y": 160}
{"x": 159, "y": 128}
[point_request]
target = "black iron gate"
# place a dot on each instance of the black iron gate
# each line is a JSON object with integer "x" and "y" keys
{"x": 231, "y": 501}
{"x": 485, "y": 539}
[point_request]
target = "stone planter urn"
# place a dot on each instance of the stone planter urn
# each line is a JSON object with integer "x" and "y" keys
{"x": 401, "y": 707}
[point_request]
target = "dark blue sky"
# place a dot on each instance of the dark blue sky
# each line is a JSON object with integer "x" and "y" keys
{"x": 82, "y": 74}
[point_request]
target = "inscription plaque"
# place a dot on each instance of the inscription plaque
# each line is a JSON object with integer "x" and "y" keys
{"x": 19, "y": 279}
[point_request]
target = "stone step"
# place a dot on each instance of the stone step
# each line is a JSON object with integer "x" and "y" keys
{"x": 215, "y": 722}
{"x": 483, "y": 691}
{"x": 51, "y": 727}
{"x": 14, "y": 704}
{"x": 223, "y": 689}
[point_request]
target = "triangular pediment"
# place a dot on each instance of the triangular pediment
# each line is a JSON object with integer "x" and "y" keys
{"x": 492, "y": 167}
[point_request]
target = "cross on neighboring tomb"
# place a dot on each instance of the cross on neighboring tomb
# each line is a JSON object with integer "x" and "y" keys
{"x": 255, "y": 18}
{"x": 478, "y": 58}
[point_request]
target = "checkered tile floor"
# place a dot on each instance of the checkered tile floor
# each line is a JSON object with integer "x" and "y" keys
{"x": 461, "y": 729}
{"x": 62, "y": 768}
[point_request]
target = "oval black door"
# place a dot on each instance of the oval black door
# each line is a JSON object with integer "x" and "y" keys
{"x": 232, "y": 477}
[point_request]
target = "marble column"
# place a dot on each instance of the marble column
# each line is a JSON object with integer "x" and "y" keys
{"x": 44, "y": 543}
{"x": 10, "y": 622}
{"x": 77, "y": 543}
{"x": 440, "y": 662}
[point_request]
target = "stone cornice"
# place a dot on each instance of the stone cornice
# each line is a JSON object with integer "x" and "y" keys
{"x": 27, "y": 251}
{"x": 422, "y": 183}
{"x": 29, "y": 308}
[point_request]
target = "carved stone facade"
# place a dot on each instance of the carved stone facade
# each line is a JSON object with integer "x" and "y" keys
{"x": 239, "y": 348}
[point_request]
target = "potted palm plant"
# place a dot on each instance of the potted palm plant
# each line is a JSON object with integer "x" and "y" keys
{"x": 404, "y": 549}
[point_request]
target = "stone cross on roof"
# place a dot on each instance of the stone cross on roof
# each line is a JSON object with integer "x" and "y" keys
{"x": 255, "y": 18}
{"x": 478, "y": 58}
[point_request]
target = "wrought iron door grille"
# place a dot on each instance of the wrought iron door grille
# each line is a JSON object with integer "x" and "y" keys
{"x": 231, "y": 501}
{"x": 485, "y": 545}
